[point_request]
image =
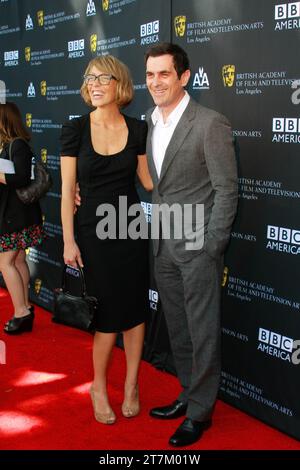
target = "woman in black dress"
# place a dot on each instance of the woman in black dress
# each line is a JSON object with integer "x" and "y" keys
{"x": 20, "y": 224}
{"x": 103, "y": 151}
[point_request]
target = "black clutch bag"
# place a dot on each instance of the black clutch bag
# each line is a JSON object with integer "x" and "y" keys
{"x": 71, "y": 310}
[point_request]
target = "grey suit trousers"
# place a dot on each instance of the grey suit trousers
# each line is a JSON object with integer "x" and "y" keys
{"x": 190, "y": 294}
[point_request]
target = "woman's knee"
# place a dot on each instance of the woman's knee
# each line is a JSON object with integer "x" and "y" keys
{"x": 20, "y": 258}
{"x": 7, "y": 259}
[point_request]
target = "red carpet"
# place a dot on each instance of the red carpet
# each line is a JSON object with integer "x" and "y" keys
{"x": 45, "y": 402}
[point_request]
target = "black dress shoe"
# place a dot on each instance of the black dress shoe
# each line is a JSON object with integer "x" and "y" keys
{"x": 31, "y": 310}
{"x": 18, "y": 325}
{"x": 175, "y": 410}
{"x": 188, "y": 432}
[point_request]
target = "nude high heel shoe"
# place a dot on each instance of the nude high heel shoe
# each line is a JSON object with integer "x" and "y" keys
{"x": 131, "y": 408}
{"x": 104, "y": 418}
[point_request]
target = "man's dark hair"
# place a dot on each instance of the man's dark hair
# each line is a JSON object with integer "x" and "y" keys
{"x": 180, "y": 57}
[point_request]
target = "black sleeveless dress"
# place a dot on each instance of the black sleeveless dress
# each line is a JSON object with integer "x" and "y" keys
{"x": 116, "y": 269}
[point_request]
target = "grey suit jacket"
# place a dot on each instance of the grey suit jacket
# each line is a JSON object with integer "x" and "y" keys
{"x": 199, "y": 168}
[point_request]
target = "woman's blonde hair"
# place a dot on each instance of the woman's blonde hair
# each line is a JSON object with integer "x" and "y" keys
{"x": 111, "y": 65}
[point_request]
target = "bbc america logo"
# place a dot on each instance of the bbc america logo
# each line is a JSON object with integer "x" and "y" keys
{"x": 283, "y": 239}
{"x": 77, "y": 45}
{"x": 149, "y": 32}
{"x": 280, "y": 346}
{"x": 11, "y": 58}
{"x": 286, "y": 125}
{"x": 286, "y": 130}
{"x": 287, "y": 16}
{"x": 287, "y": 10}
{"x": 275, "y": 339}
{"x": 149, "y": 28}
{"x": 76, "y": 48}
{"x": 282, "y": 234}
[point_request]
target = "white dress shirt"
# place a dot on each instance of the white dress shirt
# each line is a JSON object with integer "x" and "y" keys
{"x": 163, "y": 131}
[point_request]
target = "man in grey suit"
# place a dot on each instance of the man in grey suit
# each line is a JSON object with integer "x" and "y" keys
{"x": 191, "y": 161}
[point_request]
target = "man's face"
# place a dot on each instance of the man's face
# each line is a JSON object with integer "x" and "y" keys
{"x": 163, "y": 83}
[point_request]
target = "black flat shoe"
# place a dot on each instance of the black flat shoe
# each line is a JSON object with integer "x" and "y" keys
{"x": 31, "y": 310}
{"x": 15, "y": 326}
{"x": 188, "y": 432}
{"x": 173, "y": 411}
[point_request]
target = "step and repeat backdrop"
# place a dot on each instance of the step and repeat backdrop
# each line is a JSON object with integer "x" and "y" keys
{"x": 245, "y": 64}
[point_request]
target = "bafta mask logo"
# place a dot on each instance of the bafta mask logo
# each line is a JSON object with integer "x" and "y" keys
{"x": 37, "y": 286}
{"x": 105, "y": 5}
{"x": 228, "y": 74}
{"x": 179, "y": 25}
{"x": 40, "y": 17}
{"x": 28, "y": 119}
{"x": 225, "y": 276}
{"x": 93, "y": 42}
{"x": 43, "y": 85}
{"x": 27, "y": 53}
{"x": 44, "y": 155}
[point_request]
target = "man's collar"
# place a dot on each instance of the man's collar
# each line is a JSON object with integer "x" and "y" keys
{"x": 157, "y": 114}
